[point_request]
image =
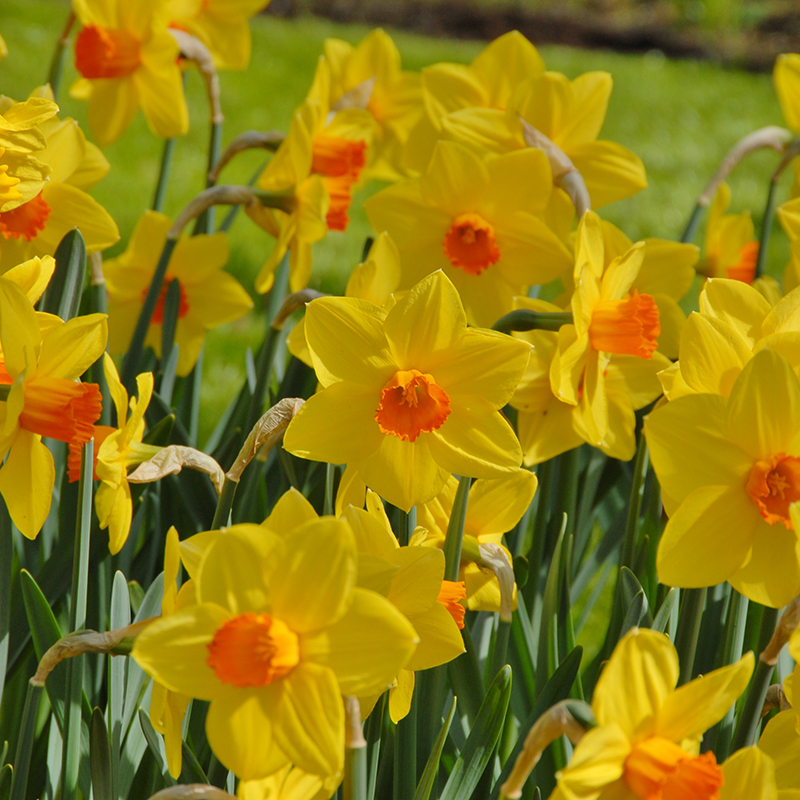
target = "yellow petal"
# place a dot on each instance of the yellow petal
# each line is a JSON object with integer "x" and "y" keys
{"x": 504, "y": 63}
{"x": 367, "y": 647}
{"x": 749, "y": 775}
{"x": 496, "y": 506}
{"x": 311, "y": 588}
{"x": 639, "y": 676}
{"x": 19, "y": 330}
{"x": 689, "y": 447}
{"x": 308, "y": 719}
{"x": 440, "y": 640}
{"x": 112, "y": 106}
{"x": 240, "y": 730}
{"x": 291, "y": 511}
{"x": 174, "y": 650}
{"x": 787, "y": 85}
{"x": 400, "y": 695}
{"x": 70, "y": 349}
{"x": 708, "y": 538}
{"x": 596, "y": 764}
{"x": 372, "y": 536}
{"x": 611, "y": 171}
{"x": 26, "y": 482}
{"x": 781, "y": 743}
{"x": 694, "y": 707}
{"x": 764, "y": 406}
{"x": 737, "y": 304}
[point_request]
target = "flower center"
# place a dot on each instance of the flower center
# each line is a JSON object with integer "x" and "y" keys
{"x": 628, "y": 327}
{"x": 470, "y": 244}
{"x": 61, "y": 409}
{"x": 658, "y": 769}
{"x": 412, "y": 403}
{"x": 449, "y": 596}
{"x": 253, "y": 650}
{"x": 25, "y": 221}
{"x": 106, "y": 52}
{"x": 158, "y": 311}
{"x": 8, "y": 183}
{"x": 340, "y": 192}
{"x": 335, "y": 156}
{"x": 745, "y": 269}
{"x": 773, "y": 485}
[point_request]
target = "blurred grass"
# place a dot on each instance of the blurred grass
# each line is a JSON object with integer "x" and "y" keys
{"x": 680, "y": 117}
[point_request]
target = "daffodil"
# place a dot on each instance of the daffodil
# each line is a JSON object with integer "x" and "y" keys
{"x": 42, "y": 398}
{"x": 119, "y": 450}
{"x": 734, "y": 322}
{"x": 729, "y": 470}
{"x": 23, "y": 174}
{"x": 610, "y": 322}
{"x": 209, "y": 296}
{"x": 488, "y": 82}
{"x": 789, "y": 216}
{"x": 304, "y": 202}
{"x": 730, "y": 249}
{"x": 494, "y": 507}
{"x": 647, "y": 740}
{"x": 127, "y": 58}
{"x": 290, "y": 783}
{"x": 475, "y": 219}
{"x": 167, "y": 709}
{"x": 36, "y": 227}
{"x": 222, "y": 26}
{"x": 369, "y": 76}
{"x": 279, "y": 632}
{"x": 409, "y": 396}
{"x": 486, "y": 105}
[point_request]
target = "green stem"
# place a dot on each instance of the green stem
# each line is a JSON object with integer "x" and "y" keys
{"x": 354, "y": 786}
{"x": 7, "y": 565}
{"x": 499, "y": 656}
{"x": 231, "y": 215}
{"x": 523, "y": 319}
{"x": 766, "y": 225}
{"x": 71, "y": 754}
{"x": 568, "y": 486}
{"x": 405, "y": 755}
{"x": 691, "y": 614}
{"x": 408, "y": 522}
{"x": 750, "y": 719}
{"x": 223, "y": 511}
{"x": 374, "y": 734}
{"x": 204, "y": 224}
{"x": 130, "y": 363}
{"x": 59, "y": 56}
{"x": 455, "y": 531}
{"x": 693, "y": 224}
{"x": 27, "y": 733}
{"x": 330, "y": 476}
{"x": 163, "y": 174}
{"x": 635, "y": 504}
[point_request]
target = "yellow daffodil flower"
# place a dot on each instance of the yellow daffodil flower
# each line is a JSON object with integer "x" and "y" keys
{"x": 36, "y": 227}
{"x": 409, "y": 396}
{"x": 44, "y": 398}
{"x": 303, "y": 218}
{"x": 23, "y": 174}
{"x": 735, "y": 321}
{"x": 118, "y": 450}
{"x": 475, "y": 220}
{"x": 3, "y": 48}
{"x": 412, "y": 580}
{"x": 610, "y": 322}
{"x": 730, "y": 249}
{"x": 749, "y": 774}
{"x": 222, "y": 26}
{"x": 494, "y": 507}
{"x": 209, "y": 296}
{"x": 789, "y": 216}
{"x": 729, "y": 470}
{"x": 167, "y": 709}
{"x": 485, "y": 105}
{"x": 127, "y": 58}
{"x": 648, "y": 735}
{"x": 488, "y": 82}
{"x": 279, "y": 632}
{"x": 369, "y": 76}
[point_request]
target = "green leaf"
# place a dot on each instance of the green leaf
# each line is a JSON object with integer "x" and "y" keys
{"x": 482, "y": 740}
{"x": 665, "y": 611}
{"x": 6, "y": 776}
{"x": 191, "y": 771}
{"x": 432, "y": 766}
{"x": 63, "y": 294}
{"x": 117, "y": 673}
{"x": 555, "y": 690}
{"x": 100, "y": 757}
{"x": 156, "y": 745}
{"x": 630, "y": 588}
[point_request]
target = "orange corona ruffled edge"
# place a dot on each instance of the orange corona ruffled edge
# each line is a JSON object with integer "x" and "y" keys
{"x": 629, "y": 326}
{"x": 412, "y": 403}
